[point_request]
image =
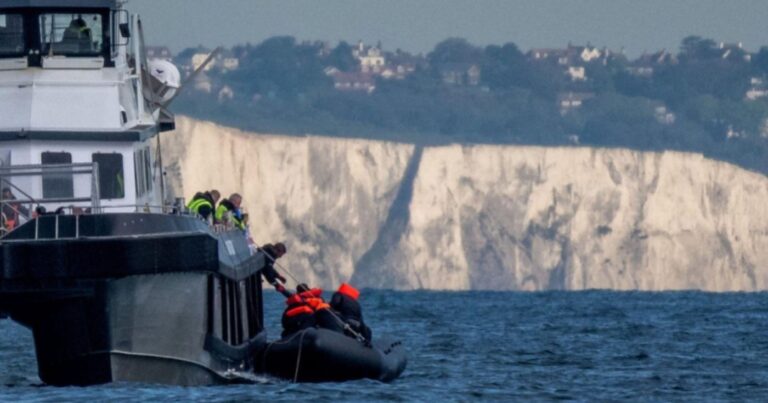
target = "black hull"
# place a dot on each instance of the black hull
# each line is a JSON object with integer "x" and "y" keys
{"x": 133, "y": 297}
{"x": 320, "y": 355}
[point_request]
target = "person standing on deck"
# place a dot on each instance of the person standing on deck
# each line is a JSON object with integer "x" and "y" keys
{"x": 12, "y": 210}
{"x": 228, "y": 211}
{"x": 204, "y": 203}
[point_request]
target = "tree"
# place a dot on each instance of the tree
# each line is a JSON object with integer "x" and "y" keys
{"x": 341, "y": 57}
{"x": 278, "y": 67}
{"x": 601, "y": 79}
{"x": 616, "y": 120}
{"x": 697, "y": 48}
{"x": 454, "y": 50}
{"x": 505, "y": 67}
{"x": 760, "y": 61}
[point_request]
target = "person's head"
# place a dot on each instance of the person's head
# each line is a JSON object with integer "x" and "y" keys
{"x": 78, "y": 23}
{"x": 215, "y": 195}
{"x": 39, "y": 210}
{"x": 236, "y": 199}
{"x": 7, "y": 194}
{"x": 302, "y": 288}
{"x": 280, "y": 249}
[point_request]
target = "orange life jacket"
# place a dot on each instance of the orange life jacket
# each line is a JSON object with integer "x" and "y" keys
{"x": 307, "y": 302}
{"x": 349, "y": 291}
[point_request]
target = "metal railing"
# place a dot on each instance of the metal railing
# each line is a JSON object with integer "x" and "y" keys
{"x": 19, "y": 204}
{"x": 23, "y": 206}
{"x": 46, "y": 170}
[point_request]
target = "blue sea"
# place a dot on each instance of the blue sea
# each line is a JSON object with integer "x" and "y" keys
{"x": 502, "y": 346}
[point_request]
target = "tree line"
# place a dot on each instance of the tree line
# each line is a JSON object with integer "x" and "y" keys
{"x": 693, "y": 99}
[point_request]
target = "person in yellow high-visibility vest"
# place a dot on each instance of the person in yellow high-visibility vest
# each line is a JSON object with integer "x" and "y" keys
{"x": 204, "y": 203}
{"x": 78, "y": 34}
{"x": 228, "y": 211}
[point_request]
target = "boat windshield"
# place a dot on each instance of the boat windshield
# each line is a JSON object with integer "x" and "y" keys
{"x": 11, "y": 35}
{"x": 78, "y": 34}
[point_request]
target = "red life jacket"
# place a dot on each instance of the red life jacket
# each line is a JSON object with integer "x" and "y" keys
{"x": 307, "y": 302}
{"x": 349, "y": 291}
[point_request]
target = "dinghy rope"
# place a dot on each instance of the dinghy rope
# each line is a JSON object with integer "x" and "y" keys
{"x": 298, "y": 357}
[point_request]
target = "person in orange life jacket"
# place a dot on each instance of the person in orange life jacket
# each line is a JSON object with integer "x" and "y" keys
{"x": 345, "y": 302}
{"x": 307, "y": 309}
{"x": 11, "y": 209}
{"x": 273, "y": 253}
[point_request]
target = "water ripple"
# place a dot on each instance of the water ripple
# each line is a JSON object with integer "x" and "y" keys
{"x": 502, "y": 346}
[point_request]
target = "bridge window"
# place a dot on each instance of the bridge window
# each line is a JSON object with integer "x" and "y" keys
{"x": 76, "y": 34}
{"x": 143, "y": 171}
{"x": 11, "y": 35}
{"x": 111, "y": 178}
{"x": 57, "y": 182}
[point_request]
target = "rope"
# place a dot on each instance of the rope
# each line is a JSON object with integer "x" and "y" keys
{"x": 298, "y": 356}
{"x": 359, "y": 337}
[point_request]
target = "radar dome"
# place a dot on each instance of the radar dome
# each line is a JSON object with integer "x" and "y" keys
{"x": 167, "y": 75}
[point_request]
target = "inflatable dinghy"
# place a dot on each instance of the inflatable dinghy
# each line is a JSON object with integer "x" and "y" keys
{"x": 321, "y": 355}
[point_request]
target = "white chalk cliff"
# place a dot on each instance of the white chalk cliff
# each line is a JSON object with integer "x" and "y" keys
{"x": 392, "y": 215}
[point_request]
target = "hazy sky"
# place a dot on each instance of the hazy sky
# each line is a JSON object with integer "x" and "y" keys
{"x": 417, "y": 25}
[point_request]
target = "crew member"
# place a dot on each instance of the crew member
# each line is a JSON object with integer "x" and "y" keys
{"x": 79, "y": 34}
{"x": 345, "y": 303}
{"x": 12, "y": 210}
{"x": 203, "y": 203}
{"x": 274, "y": 252}
{"x": 305, "y": 309}
{"x": 228, "y": 211}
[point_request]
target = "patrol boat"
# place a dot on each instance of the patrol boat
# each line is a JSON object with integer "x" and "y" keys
{"x": 115, "y": 283}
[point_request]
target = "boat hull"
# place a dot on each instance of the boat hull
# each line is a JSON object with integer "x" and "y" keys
{"x": 321, "y": 355}
{"x": 166, "y": 302}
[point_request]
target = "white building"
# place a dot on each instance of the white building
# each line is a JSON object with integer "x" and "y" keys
{"x": 371, "y": 58}
{"x": 576, "y": 73}
{"x": 199, "y": 58}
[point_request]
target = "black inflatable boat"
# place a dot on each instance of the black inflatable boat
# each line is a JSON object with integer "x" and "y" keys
{"x": 321, "y": 355}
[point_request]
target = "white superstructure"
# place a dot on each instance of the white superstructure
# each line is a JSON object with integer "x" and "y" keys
{"x": 75, "y": 89}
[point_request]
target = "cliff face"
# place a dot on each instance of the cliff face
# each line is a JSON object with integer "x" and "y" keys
{"x": 485, "y": 217}
{"x": 325, "y": 197}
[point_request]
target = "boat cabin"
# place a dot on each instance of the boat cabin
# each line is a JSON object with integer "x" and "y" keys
{"x": 79, "y": 109}
{"x": 44, "y": 32}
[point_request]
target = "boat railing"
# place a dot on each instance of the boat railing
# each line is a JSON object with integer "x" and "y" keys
{"x": 17, "y": 204}
{"x": 23, "y": 206}
{"x": 68, "y": 228}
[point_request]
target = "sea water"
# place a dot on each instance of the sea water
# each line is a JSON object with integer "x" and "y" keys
{"x": 501, "y": 346}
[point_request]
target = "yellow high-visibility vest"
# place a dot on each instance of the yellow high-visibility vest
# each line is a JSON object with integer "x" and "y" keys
{"x": 195, "y": 204}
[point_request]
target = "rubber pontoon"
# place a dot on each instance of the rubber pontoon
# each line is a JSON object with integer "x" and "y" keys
{"x": 321, "y": 355}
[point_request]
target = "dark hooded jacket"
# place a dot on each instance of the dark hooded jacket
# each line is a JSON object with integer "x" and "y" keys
{"x": 344, "y": 303}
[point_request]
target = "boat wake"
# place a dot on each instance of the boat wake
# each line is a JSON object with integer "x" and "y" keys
{"x": 236, "y": 376}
